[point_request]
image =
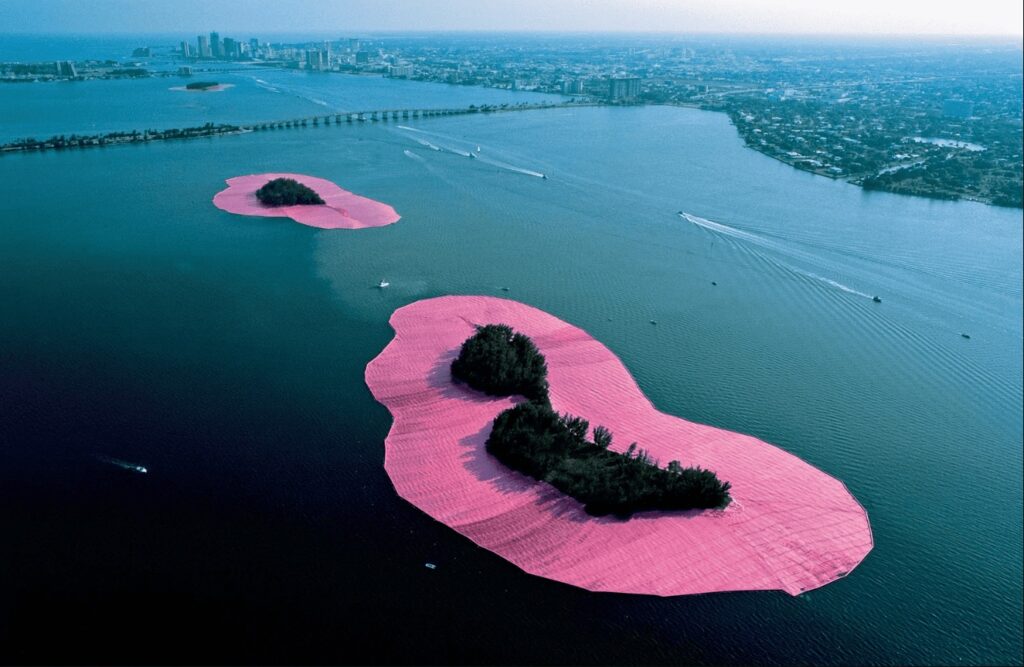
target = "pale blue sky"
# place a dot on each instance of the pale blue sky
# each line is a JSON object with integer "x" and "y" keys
{"x": 958, "y": 17}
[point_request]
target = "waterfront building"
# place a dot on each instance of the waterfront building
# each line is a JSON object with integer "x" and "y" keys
{"x": 362, "y": 57}
{"x": 215, "y": 46}
{"x": 229, "y": 49}
{"x": 315, "y": 60}
{"x": 186, "y": 49}
{"x": 353, "y": 45}
{"x": 254, "y": 47}
{"x": 66, "y": 68}
{"x": 572, "y": 86}
{"x": 623, "y": 89}
{"x": 185, "y": 70}
{"x": 203, "y": 43}
{"x": 403, "y": 71}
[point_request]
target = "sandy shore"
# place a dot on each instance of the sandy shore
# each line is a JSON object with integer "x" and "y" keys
{"x": 791, "y": 527}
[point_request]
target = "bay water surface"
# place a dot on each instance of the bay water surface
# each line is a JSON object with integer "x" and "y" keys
{"x": 226, "y": 354}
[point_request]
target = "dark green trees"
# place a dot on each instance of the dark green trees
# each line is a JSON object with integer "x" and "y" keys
{"x": 287, "y": 192}
{"x": 535, "y": 440}
{"x": 500, "y": 362}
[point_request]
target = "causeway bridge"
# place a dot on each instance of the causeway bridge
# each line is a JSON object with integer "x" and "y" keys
{"x": 400, "y": 114}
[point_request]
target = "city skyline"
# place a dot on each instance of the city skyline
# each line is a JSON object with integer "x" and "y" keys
{"x": 872, "y": 17}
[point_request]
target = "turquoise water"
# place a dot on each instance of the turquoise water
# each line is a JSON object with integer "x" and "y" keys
{"x": 43, "y": 109}
{"x": 226, "y": 355}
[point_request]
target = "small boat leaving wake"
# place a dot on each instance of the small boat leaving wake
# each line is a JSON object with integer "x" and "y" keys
{"x": 770, "y": 244}
{"x": 124, "y": 465}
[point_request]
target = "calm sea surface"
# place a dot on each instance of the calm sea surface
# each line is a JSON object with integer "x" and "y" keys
{"x": 226, "y": 354}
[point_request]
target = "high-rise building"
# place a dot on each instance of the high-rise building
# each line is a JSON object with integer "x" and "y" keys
{"x": 229, "y": 49}
{"x": 65, "y": 68}
{"x": 254, "y": 47}
{"x": 315, "y": 60}
{"x": 204, "y": 47}
{"x": 572, "y": 86}
{"x": 186, "y": 50}
{"x": 215, "y": 47}
{"x": 623, "y": 89}
{"x": 353, "y": 45}
{"x": 362, "y": 57}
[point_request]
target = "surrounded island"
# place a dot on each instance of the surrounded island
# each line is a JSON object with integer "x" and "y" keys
{"x": 308, "y": 200}
{"x": 789, "y": 526}
{"x": 287, "y": 192}
{"x": 201, "y": 85}
{"x": 535, "y": 440}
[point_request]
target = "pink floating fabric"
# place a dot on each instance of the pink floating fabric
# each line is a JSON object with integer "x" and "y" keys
{"x": 341, "y": 209}
{"x": 790, "y": 526}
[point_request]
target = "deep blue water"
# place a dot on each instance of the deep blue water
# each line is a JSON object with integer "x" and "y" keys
{"x": 226, "y": 354}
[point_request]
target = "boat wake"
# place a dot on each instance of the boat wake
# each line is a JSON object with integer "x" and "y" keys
{"x": 472, "y": 152}
{"x": 124, "y": 465}
{"x": 769, "y": 244}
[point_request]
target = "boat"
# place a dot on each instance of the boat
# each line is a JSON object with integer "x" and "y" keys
{"x": 430, "y": 566}
{"x": 477, "y": 149}
{"x": 504, "y": 289}
{"x": 472, "y": 156}
{"x": 124, "y": 465}
{"x": 544, "y": 176}
{"x": 967, "y": 336}
{"x": 383, "y": 283}
{"x": 654, "y": 321}
{"x": 876, "y": 299}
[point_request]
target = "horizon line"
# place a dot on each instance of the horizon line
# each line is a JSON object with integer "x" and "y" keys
{"x": 541, "y": 31}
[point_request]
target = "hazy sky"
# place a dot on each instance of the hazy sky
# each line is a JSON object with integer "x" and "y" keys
{"x": 246, "y": 17}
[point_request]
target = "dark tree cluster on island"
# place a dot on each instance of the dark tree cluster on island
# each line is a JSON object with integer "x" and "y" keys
{"x": 201, "y": 85}
{"x": 535, "y": 440}
{"x": 287, "y": 192}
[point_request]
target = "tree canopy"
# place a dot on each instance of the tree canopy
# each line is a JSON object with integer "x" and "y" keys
{"x": 534, "y": 439}
{"x": 501, "y": 362}
{"x": 287, "y": 192}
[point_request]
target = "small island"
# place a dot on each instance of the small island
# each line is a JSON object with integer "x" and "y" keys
{"x": 288, "y": 192}
{"x": 308, "y": 200}
{"x": 201, "y": 85}
{"x": 789, "y": 526}
{"x": 535, "y": 440}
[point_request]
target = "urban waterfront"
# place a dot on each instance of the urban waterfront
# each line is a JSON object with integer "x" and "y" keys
{"x": 227, "y": 354}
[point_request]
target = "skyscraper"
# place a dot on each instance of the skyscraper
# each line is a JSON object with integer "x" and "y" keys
{"x": 623, "y": 88}
{"x": 215, "y": 47}
{"x": 229, "y": 49}
{"x": 315, "y": 60}
{"x": 204, "y": 47}
{"x": 186, "y": 49}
